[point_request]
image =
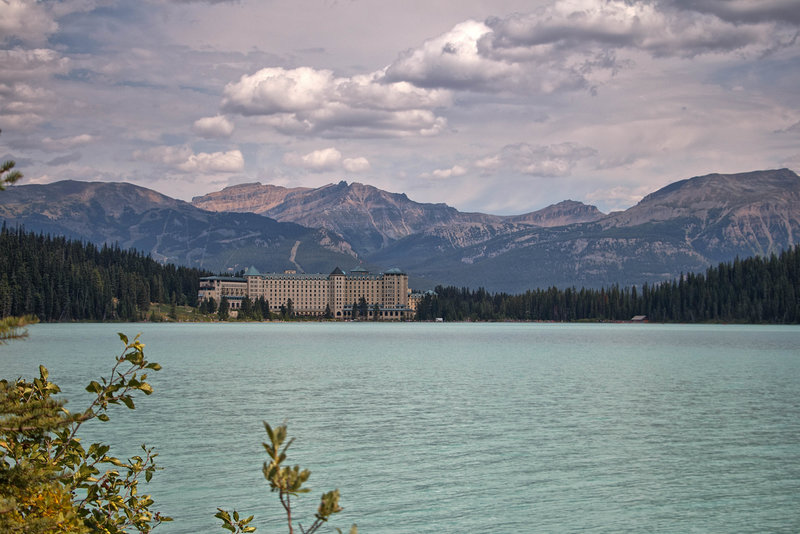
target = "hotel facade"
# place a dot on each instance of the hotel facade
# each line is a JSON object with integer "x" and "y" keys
{"x": 313, "y": 294}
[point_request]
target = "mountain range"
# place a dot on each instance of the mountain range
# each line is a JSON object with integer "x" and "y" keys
{"x": 683, "y": 227}
{"x": 170, "y": 230}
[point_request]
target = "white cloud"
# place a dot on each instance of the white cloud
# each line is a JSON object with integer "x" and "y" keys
{"x": 356, "y": 164}
{"x": 26, "y": 21}
{"x": 310, "y": 101}
{"x": 211, "y": 127}
{"x": 66, "y": 143}
{"x": 21, "y": 64}
{"x": 326, "y": 159}
{"x": 182, "y": 158}
{"x": 277, "y": 90}
{"x": 455, "y": 170}
{"x": 231, "y": 161}
{"x": 319, "y": 160}
{"x": 24, "y": 101}
{"x": 574, "y": 44}
{"x": 453, "y": 60}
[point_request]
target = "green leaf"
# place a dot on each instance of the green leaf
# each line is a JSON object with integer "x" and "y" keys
{"x": 123, "y": 337}
{"x": 222, "y": 514}
{"x": 103, "y": 417}
{"x": 43, "y": 372}
{"x": 94, "y": 387}
{"x": 128, "y": 401}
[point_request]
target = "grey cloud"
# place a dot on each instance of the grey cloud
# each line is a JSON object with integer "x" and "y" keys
{"x": 567, "y": 45}
{"x": 65, "y": 159}
{"x": 660, "y": 29}
{"x": 537, "y": 160}
{"x": 744, "y": 11}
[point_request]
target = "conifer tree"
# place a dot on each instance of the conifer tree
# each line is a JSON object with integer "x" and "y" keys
{"x": 224, "y": 309}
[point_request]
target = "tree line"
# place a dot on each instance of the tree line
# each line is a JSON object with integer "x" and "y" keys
{"x": 59, "y": 279}
{"x": 751, "y": 290}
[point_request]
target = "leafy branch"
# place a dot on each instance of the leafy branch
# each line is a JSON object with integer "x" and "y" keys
{"x": 288, "y": 482}
{"x": 41, "y": 454}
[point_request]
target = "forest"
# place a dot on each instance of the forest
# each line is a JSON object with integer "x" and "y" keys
{"x": 58, "y": 279}
{"x": 751, "y": 290}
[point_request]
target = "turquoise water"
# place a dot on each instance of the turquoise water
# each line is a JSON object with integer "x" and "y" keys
{"x": 460, "y": 427}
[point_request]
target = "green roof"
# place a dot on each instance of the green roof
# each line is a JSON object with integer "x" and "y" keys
{"x": 252, "y": 271}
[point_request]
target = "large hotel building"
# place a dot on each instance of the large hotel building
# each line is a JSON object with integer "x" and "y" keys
{"x": 312, "y": 294}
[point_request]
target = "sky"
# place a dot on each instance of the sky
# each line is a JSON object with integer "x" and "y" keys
{"x": 497, "y": 106}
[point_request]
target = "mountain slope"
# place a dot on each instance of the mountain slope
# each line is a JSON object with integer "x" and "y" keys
{"x": 170, "y": 230}
{"x": 683, "y": 227}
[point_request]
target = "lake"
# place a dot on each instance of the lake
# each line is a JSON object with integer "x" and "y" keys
{"x": 505, "y": 427}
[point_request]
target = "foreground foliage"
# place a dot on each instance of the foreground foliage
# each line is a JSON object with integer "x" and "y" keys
{"x": 753, "y": 290}
{"x": 288, "y": 482}
{"x": 50, "y": 482}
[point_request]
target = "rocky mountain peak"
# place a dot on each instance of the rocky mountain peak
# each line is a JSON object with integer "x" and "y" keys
{"x": 560, "y": 214}
{"x": 243, "y": 198}
{"x": 713, "y": 196}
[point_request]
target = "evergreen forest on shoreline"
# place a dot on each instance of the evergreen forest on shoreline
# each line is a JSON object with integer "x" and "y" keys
{"x": 57, "y": 279}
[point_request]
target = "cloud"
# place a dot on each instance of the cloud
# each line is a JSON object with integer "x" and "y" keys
{"x": 231, "y": 161}
{"x": 326, "y": 159}
{"x": 65, "y": 159}
{"x": 746, "y": 11}
{"x": 211, "y": 127}
{"x": 20, "y": 64}
{"x": 584, "y": 26}
{"x": 311, "y": 101}
{"x": 575, "y": 44}
{"x": 32, "y": 23}
{"x": 23, "y": 106}
{"x": 24, "y": 102}
{"x": 183, "y": 159}
{"x": 618, "y": 197}
{"x": 320, "y": 160}
{"x": 66, "y": 143}
{"x": 455, "y": 170}
{"x": 453, "y": 60}
{"x": 537, "y": 160}
{"x": 356, "y": 164}
{"x": 25, "y": 21}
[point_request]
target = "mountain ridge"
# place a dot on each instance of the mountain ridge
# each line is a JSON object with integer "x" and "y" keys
{"x": 371, "y": 218}
{"x": 683, "y": 227}
{"x": 168, "y": 229}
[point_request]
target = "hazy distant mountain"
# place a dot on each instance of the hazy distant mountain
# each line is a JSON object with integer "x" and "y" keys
{"x": 371, "y": 219}
{"x": 684, "y": 227}
{"x": 170, "y": 230}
